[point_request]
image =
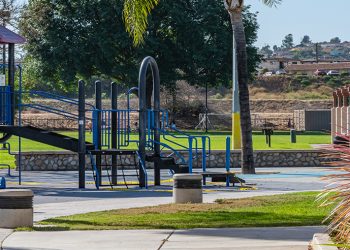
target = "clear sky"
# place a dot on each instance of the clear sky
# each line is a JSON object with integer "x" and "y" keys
{"x": 320, "y": 19}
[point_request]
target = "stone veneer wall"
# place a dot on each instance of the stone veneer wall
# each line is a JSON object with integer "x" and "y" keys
{"x": 65, "y": 160}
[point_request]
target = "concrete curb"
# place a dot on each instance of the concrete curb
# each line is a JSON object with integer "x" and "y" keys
{"x": 4, "y": 233}
{"x": 320, "y": 242}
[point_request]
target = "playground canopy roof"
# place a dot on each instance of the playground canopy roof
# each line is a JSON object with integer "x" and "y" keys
{"x": 7, "y": 36}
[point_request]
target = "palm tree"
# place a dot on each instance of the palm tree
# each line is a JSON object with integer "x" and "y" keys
{"x": 135, "y": 16}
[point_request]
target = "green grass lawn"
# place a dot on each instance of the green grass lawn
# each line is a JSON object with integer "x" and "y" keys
{"x": 280, "y": 140}
{"x": 297, "y": 209}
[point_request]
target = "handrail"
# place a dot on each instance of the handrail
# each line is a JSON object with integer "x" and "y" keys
{"x": 51, "y": 110}
{"x": 164, "y": 133}
{"x": 143, "y": 168}
{"x": 183, "y": 161}
{"x": 56, "y": 97}
{"x": 8, "y": 149}
{"x": 52, "y": 96}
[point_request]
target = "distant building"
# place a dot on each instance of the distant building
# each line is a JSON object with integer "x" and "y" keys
{"x": 310, "y": 68}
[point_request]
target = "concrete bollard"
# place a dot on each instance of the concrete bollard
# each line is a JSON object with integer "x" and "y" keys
{"x": 16, "y": 208}
{"x": 187, "y": 188}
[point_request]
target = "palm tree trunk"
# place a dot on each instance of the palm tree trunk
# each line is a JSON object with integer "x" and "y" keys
{"x": 246, "y": 124}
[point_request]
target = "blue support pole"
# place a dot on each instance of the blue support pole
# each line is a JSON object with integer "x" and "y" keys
{"x": 204, "y": 158}
{"x": 227, "y": 163}
{"x": 20, "y": 124}
{"x": 190, "y": 157}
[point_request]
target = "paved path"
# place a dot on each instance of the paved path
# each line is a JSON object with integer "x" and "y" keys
{"x": 292, "y": 238}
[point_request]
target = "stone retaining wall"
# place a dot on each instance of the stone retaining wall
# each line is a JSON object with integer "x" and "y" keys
{"x": 65, "y": 160}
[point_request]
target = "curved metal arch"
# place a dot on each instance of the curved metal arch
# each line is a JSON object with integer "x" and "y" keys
{"x": 143, "y": 86}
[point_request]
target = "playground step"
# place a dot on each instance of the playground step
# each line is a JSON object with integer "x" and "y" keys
{"x": 113, "y": 152}
{"x": 160, "y": 159}
{"x": 44, "y": 136}
{"x": 119, "y": 166}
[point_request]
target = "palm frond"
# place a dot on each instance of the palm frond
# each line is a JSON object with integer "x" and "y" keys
{"x": 338, "y": 191}
{"x": 272, "y": 2}
{"x": 135, "y": 14}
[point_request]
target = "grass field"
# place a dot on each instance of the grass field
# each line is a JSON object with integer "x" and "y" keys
{"x": 297, "y": 209}
{"x": 280, "y": 140}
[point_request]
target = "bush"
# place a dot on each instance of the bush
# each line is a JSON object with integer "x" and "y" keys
{"x": 327, "y": 78}
{"x": 217, "y": 96}
{"x": 305, "y": 82}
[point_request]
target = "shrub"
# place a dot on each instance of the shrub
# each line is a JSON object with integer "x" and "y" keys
{"x": 305, "y": 82}
{"x": 217, "y": 96}
{"x": 327, "y": 78}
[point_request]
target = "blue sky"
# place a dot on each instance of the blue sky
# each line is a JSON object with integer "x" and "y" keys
{"x": 320, "y": 19}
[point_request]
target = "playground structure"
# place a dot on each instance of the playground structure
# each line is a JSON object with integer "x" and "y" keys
{"x": 156, "y": 143}
{"x": 340, "y": 113}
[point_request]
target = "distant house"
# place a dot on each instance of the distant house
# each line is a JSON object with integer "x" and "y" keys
{"x": 274, "y": 64}
{"x": 310, "y": 68}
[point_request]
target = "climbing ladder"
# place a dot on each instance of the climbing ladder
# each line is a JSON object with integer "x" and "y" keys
{"x": 115, "y": 165}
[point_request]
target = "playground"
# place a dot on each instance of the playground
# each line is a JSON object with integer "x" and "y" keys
{"x": 125, "y": 168}
{"x": 156, "y": 142}
{"x": 105, "y": 137}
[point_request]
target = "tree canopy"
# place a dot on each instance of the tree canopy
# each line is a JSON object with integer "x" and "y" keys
{"x": 288, "y": 42}
{"x": 306, "y": 40}
{"x": 191, "y": 40}
{"x": 335, "y": 40}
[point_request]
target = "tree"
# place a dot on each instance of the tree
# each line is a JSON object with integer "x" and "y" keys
{"x": 135, "y": 15}
{"x": 306, "y": 40}
{"x": 266, "y": 50}
{"x": 288, "y": 42}
{"x": 275, "y": 48}
{"x": 61, "y": 47}
{"x": 335, "y": 40}
{"x": 9, "y": 10}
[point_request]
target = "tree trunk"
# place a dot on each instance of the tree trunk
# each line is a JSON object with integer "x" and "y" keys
{"x": 246, "y": 124}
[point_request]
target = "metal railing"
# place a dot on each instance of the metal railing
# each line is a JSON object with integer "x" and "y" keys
{"x": 5, "y": 105}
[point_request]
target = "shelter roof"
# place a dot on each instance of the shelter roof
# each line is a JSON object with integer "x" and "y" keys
{"x": 7, "y": 36}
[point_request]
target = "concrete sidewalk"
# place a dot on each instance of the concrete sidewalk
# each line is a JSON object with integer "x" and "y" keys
{"x": 283, "y": 238}
{"x": 4, "y": 233}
